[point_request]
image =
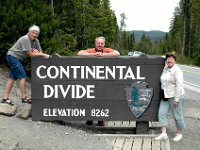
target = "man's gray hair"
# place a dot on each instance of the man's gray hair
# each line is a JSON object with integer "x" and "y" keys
{"x": 100, "y": 37}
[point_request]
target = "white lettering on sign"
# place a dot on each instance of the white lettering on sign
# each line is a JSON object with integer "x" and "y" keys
{"x": 74, "y": 91}
{"x": 79, "y": 73}
{"x": 86, "y": 72}
{"x": 48, "y": 112}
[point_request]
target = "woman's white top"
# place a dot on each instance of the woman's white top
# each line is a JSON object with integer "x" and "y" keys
{"x": 172, "y": 82}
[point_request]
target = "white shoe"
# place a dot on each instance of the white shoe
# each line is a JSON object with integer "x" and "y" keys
{"x": 178, "y": 137}
{"x": 162, "y": 136}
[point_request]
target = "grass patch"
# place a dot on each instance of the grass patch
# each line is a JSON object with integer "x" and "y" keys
{"x": 185, "y": 60}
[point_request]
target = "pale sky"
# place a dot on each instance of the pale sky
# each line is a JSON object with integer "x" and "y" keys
{"x": 145, "y": 14}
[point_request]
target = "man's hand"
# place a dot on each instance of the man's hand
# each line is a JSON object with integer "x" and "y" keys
{"x": 98, "y": 54}
{"x": 33, "y": 50}
{"x": 46, "y": 56}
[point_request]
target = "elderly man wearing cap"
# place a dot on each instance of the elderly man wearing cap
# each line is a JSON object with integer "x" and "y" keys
{"x": 26, "y": 46}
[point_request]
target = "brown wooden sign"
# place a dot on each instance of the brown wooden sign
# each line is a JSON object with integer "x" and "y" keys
{"x": 96, "y": 88}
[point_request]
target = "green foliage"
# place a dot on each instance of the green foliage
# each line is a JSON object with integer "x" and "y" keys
{"x": 184, "y": 36}
{"x": 94, "y": 19}
{"x": 154, "y": 35}
{"x": 144, "y": 45}
{"x": 18, "y": 16}
{"x": 131, "y": 41}
{"x": 181, "y": 59}
{"x": 66, "y": 26}
{"x": 149, "y": 42}
{"x": 70, "y": 25}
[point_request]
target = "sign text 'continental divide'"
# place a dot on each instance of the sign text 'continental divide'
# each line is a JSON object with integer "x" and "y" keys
{"x": 85, "y": 72}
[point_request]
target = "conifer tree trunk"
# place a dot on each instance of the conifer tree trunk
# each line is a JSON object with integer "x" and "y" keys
{"x": 52, "y": 6}
{"x": 186, "y": 28}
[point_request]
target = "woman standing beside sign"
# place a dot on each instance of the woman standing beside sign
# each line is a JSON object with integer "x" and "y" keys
{"x": 172, "y": 97}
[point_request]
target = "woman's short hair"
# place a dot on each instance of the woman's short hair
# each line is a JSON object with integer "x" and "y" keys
{"x": 170, "y": 55}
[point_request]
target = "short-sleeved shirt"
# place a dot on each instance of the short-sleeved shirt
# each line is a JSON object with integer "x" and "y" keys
{"x": 93, "y": 50}
{"x": 20, "y": 48}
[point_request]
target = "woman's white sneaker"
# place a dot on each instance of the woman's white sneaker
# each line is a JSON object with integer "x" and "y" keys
{"x": 162, "y": 136}
{"x": 178, "y": 137}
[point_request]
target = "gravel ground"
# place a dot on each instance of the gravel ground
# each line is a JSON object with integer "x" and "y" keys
{"x": 191, "y": 134}
{"x": 20, "y": 134}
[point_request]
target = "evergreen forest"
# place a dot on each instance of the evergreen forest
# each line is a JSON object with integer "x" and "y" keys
{"x": 68, "y": 26}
